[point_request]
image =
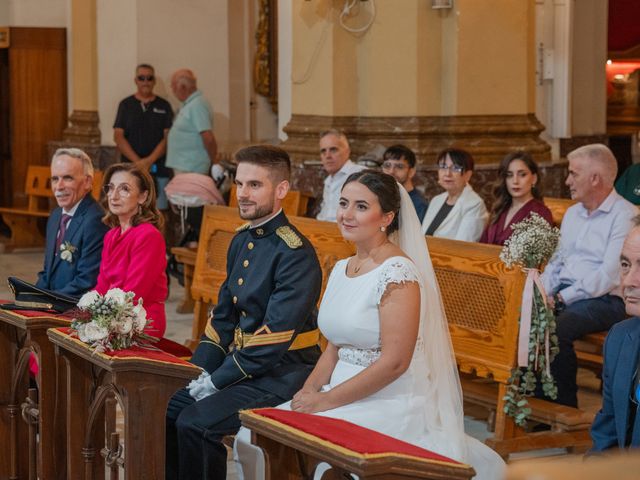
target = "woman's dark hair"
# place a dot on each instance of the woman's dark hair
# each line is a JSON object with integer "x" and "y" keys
{"x": 148, "y": 212}
{"x": 459, "y": 157}
{"x": 501, "y": 193}
{"x": 383, "y": 186}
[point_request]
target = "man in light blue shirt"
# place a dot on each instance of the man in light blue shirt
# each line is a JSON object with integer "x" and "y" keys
{"x": 191, "y": 145}
{"x": 582, "y": 280}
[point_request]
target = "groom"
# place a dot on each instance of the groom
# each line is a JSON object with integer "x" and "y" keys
{"x": 260, "y": 343}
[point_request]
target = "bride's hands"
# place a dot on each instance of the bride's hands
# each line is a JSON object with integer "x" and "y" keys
{"x": 309, "y": 401}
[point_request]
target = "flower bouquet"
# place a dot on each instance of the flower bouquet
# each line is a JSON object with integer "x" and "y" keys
{"x": 531, "y": 245}
{"x": 110, "y": 322}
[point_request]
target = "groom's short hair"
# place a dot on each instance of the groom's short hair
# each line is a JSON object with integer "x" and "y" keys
{"x": 274, "y": 159}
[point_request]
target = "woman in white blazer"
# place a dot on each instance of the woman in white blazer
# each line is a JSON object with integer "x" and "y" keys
{"x": 458, "y": 213}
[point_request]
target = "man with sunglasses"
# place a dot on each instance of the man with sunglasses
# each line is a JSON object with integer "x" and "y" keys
{"x": 141, "y": 128}
{"x": 617, "y": 424}
{"x": 75, "y": 230}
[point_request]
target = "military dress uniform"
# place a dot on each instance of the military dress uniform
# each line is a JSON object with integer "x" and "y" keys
{"x": 259, "y": 346}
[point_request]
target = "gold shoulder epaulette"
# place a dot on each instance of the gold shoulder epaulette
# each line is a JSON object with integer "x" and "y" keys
{"x": 244, "y": 227}
{"x": 290, "y": 237}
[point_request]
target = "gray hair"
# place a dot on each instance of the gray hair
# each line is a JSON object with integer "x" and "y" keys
{"x": 336, "y": 133}
{"x": 185, "y": 78}
{"x": 87, "y": 165}
{"x": 601, "y": 160}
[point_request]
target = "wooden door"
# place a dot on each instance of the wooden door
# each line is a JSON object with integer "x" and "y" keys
{"x": 37, "y": 98}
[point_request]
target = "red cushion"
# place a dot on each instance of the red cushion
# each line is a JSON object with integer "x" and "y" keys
{"x": 349, "y": 435}
{"x": 174, "y": 348}
{"x": 149, "y": 352}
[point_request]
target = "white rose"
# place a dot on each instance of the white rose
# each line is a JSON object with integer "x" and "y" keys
{"x": 117, "y": 295}
{"x": 124, "y": 326}
{"x": 140, "y": 317}
{"x": 90, "y": 332}
{"x": 88, "y": 299}
{"x": 66, "y": 255}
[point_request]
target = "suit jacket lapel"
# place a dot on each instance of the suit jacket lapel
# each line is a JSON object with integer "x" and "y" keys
{"x": 625, "y": 368}
{"x": 74, "y": 225}
{"x": 52, "y": 231}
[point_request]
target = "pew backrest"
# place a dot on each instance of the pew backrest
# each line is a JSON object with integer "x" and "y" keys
{"x": 481, "y": 298}
{"x": 558, "y": 207}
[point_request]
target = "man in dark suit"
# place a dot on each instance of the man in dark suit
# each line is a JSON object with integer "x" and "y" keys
{"x": 74, "y": 230}
{"x": 261, "y": 341}
{"x": 617, "y": 424}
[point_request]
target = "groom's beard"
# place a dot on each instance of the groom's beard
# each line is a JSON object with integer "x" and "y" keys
{"x": 258, "y": 211}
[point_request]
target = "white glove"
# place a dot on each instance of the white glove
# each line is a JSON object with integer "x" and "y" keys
{"x": 201, "y": 387}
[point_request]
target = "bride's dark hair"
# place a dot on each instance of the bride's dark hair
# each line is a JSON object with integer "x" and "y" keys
{"x": 383, "y": 186}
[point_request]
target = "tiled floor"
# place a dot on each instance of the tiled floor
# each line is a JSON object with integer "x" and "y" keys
{"x": 26, "y": 264}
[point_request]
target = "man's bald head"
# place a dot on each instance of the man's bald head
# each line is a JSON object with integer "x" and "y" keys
{"x": 183, "y": 83}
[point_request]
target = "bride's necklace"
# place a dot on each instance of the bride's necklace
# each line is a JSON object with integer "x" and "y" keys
{"x": 357, "y": 269}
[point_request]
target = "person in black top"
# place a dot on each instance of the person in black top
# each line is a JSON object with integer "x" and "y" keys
{"x": 400, "y": 162}
{"x": 141, "y": 128}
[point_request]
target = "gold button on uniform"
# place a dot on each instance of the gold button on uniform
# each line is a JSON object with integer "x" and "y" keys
{"x": 240, "y": 281}
{"x": 245, "y": 264}
{"x": 235, "y": 299}
{"x": 259, "y": 231}
{"x": 250, "y": 245}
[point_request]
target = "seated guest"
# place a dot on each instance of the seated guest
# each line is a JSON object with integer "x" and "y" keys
{"x": 458, "y": 213}
{"x": 400, "y": 162}
{"x": 617, "y": 424}
{"x": 582, "y": 279}
{"x": 334, "y": 154}
{"x": 517, "y": 197}
{"x": 134, "y": 256}
{"x": 75, "y": 226}
{"x": 628, "y": 185}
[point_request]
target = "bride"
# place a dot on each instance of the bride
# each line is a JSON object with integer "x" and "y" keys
{"x": 389, "y": 364}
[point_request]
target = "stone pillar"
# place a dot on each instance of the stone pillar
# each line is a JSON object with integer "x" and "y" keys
{"x": 423, "y": 77}
{"x": 84, "y": 120}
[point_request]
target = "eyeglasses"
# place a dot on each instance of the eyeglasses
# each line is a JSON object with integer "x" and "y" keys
{"x": 452, "y": 168}
{"x": 123, "y": 190}
{"x": 147, "y": 78}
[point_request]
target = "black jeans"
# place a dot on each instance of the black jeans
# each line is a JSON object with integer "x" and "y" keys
{"x": 195, "y": 430}
{"x": 576, "y": 321}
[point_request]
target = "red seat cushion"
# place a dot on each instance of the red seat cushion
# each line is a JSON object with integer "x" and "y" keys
{"x": 174, "y": 348}
{"x": 353, "y": 437}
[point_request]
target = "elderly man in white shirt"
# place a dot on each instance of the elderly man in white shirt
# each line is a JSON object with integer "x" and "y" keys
{"x": 334, "y": 154}
{"x": 583, "y": 278}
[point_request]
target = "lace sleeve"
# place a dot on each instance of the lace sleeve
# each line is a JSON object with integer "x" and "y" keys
{"x": 398, "y": 270}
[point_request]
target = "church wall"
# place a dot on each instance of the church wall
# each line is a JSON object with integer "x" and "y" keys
{"x": 34, "y": 13}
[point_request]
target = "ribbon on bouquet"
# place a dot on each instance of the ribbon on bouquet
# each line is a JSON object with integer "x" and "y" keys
{"x": 533, "y": 279}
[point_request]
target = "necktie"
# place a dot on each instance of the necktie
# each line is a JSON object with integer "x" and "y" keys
{"x": 64, "y": 221}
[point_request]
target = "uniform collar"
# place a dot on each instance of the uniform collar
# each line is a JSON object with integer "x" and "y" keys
{"x": 270, "y": 226}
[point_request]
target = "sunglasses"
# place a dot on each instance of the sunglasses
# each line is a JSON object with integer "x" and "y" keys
{"x": 147, "y": 78}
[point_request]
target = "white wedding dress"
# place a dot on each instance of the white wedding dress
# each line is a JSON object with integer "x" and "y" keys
{"x": 349, "y": 319}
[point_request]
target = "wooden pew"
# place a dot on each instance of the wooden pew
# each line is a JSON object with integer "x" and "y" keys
{"x": 558, "y": 207}
{"x": 23, "y": 222}
{"x": 218, "y": 228}
{"x": 482, "y": 301}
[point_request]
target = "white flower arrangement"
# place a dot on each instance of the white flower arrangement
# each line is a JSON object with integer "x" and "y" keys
{"x": 110, "y": 322}
{"x": 530, "y": 246}
{"x": 66, "y": 251}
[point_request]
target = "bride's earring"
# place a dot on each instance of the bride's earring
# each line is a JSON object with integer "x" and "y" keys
{"x": 383, "y": 229}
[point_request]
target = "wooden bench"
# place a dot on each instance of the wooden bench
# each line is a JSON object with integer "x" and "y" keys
{"x": 482, "y": 301}
{"x": 295, "y": 443}
{"x": 219, "y": 227}
{"x": 23, "y": 222}
{"x": 558, "y": 207}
